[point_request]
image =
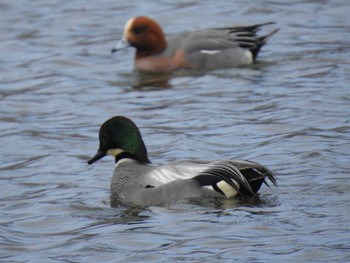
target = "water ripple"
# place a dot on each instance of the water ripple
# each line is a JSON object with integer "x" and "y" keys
{"x": 288, "y": 111}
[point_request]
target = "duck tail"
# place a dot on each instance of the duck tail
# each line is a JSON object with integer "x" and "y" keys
{"x": 256, "y": 176}
{"x": 232, "y": 178}
{"x": 262, "y": 40}
{"x": 246, "y": 37}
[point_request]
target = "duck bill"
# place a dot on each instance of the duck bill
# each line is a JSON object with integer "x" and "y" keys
{"x": 120, "y": 45}
{"x": 99, "y": 155}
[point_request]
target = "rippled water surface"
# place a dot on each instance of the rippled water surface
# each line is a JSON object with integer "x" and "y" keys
{"x": 290, "y": 111}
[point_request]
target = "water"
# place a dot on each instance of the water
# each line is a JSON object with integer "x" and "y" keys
{"x": 290, "y": 111}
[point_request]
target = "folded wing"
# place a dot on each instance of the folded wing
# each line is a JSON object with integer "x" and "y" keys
{"x": 229, "y": 178}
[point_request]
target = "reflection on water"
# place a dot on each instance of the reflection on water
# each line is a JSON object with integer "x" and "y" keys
{"x": 289, "y": 111}
{"x": 152, "y": 81}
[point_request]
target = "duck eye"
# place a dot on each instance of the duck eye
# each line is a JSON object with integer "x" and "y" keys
{"x": 138, "y": 30}
{"x": 104, "y": 139}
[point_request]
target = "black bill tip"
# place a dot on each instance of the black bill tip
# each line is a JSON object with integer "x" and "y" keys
{"x": 99, "y": 155}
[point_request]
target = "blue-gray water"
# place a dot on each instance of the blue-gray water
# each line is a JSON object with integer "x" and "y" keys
{"x": 290, "y": 112}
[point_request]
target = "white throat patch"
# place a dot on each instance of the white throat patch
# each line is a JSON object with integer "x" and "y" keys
{"x": 114, "y": 152}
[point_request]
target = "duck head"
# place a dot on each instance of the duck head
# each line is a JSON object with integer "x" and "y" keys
{"x": 120, "y": 138}
{"x": 144, "y": 34}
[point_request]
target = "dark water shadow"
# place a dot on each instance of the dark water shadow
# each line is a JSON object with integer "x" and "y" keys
{"x": 159, "y": 81}
{"x": 246, "y": 201}
{"x": 152, "y": 81}
{"x": 139, "y": 80}
{"x": 216, "y": 203}
{"x": 129, "y": 216}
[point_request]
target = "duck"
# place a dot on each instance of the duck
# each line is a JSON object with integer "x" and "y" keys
{"x": 136, "y": 182}
{"x": 215, "y": 48}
